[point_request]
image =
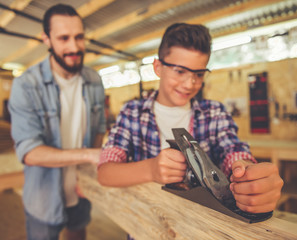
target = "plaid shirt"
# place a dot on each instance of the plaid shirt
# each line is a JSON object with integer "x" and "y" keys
{"x": 135, "y": 135}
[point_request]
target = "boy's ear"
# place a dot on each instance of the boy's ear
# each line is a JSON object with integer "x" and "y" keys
{"x": 157, "y": 67}
{"x": 46, "y": 39}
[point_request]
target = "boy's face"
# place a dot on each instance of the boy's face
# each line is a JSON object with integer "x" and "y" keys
{"x": 175, "y": 89}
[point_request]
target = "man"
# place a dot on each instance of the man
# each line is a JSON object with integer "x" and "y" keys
{"x": 57, "y": 110}
{"x": 137, "y": 152}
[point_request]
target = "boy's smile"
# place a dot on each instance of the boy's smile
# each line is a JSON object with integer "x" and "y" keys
{"x": 174, "y": 89}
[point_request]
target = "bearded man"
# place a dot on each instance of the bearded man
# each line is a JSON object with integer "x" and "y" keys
{"x": 57, "y": 112}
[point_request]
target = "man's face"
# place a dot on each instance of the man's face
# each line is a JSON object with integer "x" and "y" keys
{"x": 175, "y": 90}
{"x": 66, "y": 41}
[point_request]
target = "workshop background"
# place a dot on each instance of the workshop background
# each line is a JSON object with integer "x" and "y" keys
{"x": 253, "y": 63}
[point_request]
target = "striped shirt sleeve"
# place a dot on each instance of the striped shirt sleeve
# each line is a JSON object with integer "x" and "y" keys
{"x": 233, "y": 157}
{"x": 112, "y": 154}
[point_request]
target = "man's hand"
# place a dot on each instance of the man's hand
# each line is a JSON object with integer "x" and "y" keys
{"x": 168, "y": 167}
{"x": 256, "y": 187}
{"x": 92, "y": 155}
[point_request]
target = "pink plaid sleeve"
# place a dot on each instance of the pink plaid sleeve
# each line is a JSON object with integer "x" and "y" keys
{"x": 112, "y": 154}
{"x": 233, "y": 157}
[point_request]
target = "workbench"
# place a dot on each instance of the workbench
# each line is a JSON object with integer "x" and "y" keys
{"x": 279, "y": 152}
{"x": 147, "y": 212}
{"x": 274, "y": 150}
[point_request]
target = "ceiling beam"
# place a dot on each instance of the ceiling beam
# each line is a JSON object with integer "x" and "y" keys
{"x": 135, "y": 17}
{"x": 127, "y": 21}
{"x": 231, "y": 31}
{"x": 202, "y": 19}
{"x": 7, "y": 16}
{"x": 141, "y": 55}
{"x": 84, "y": 11}
{"x": 265, "y": 23}
{"x": 228, "y": 11}
{"x": 92, "y": 6}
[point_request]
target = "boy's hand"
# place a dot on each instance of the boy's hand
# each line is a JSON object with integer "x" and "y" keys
{"x": 256, "y": 187}
{"x": 168, "y": 167}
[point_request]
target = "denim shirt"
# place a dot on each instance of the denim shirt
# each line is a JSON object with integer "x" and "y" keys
{"x": 35, "y": 113}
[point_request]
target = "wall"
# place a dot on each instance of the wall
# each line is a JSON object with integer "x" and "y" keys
{"x": 118, "y": 96}
{"x": 282, "y": 83}
{"x": 5, "y": 87}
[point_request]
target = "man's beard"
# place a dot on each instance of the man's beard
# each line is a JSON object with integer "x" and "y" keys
{"x": 71, "y": 69}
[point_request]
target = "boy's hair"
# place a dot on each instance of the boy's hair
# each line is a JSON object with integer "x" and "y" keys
{"x": 189, "y": 36}
{"x": 59, "y": 9}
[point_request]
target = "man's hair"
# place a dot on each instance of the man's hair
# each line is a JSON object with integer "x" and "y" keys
{"x": 189, "y": 36}
{"x": 59, "y": 9}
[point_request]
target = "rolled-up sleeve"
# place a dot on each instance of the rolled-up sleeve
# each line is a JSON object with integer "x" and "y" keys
{"x": 117, "y": 147}
{"x": 233, "y": 157}
{"x": 26, "y": 128}
{"x": 112, "y": 154}
{"x": 228, "y": 147}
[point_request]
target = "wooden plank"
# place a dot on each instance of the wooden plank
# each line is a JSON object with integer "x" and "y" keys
{"x": 147, "y": 212}
{"x": 11, "y": 180}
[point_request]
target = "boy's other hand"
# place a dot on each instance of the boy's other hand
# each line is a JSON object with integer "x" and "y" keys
{"x": 256, "y": 187}
{"x": 168, "y": 167}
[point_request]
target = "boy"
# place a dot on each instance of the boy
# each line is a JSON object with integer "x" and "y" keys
{"x": 136, "y": 151}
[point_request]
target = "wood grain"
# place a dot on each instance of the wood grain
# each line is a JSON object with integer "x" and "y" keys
{"x": 147, "y": 212}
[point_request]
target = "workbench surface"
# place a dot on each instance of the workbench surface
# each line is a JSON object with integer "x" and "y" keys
{"x": 147, "y": 212}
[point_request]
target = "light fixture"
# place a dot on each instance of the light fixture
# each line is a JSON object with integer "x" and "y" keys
{"x": 232, "y": 42}
{"x": 131, "y": 65}
{"x": 17, "y": 68}
{"x": 149, "y": 60}
{"x": 109, "y": 70}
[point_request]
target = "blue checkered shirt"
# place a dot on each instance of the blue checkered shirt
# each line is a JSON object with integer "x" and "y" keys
{"x": 135, "y": 136}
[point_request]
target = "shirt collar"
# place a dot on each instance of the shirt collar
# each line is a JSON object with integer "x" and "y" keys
{"x": 195, "y": 105}
{"x": 47, "y": 71}
{"x": 149, "y": 103}
{"x": 48, "y": 74}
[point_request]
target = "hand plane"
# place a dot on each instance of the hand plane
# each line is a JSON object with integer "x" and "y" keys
{"x": 204, "y": 182}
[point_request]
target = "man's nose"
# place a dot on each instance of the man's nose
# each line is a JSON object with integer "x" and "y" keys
{"x": 73, "y": 45}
